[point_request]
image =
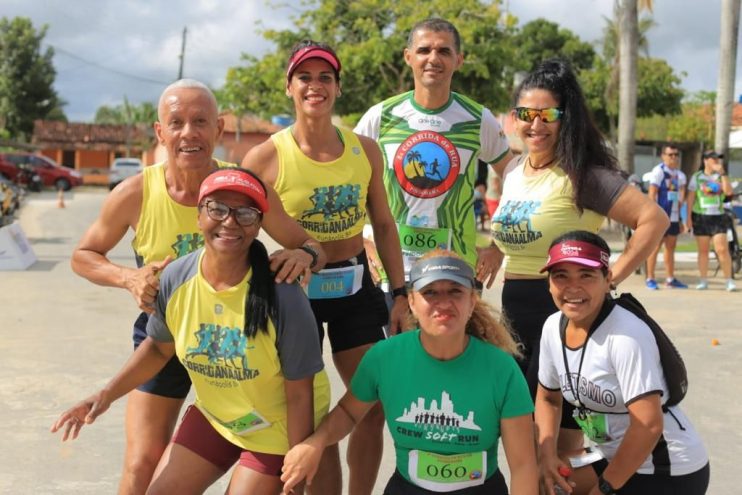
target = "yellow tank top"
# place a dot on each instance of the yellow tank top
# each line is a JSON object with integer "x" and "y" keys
{"x": 328, "y": 199}
{"x": 534, "y": 211}
{"x": 165, "y": 227}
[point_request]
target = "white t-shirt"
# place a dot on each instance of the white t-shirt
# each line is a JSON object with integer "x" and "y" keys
{"x": 621, "y": 364}
{"x": 670, "y": 189}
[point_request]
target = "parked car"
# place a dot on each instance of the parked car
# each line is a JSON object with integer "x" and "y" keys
{"x": 121, "y": 168}
{"x": 52, "y": 174}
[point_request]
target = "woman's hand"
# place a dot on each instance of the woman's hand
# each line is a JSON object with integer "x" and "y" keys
{"x": 84, "y": 412}
{"x": 489, "y": 261}
{"x": 300, "y": 463}
{"x": 554, "y": 472}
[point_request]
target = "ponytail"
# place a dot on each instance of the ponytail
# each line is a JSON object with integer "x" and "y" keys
{"x": 260, "y": 305}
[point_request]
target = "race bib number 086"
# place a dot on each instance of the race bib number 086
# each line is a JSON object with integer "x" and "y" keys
{"x": 420, "y": 240}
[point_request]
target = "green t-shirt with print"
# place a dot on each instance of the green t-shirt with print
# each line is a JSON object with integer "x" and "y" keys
{"x": 444, "y": 416}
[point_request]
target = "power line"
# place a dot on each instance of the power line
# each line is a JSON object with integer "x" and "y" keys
{"x": 109, "y": 69}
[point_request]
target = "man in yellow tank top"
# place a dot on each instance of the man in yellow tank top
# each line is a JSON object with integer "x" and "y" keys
{"x": 160, "y": 207}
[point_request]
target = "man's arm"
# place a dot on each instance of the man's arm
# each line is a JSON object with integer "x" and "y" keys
{"x": 385, "y": 234}
{"x": 120, "y": 211}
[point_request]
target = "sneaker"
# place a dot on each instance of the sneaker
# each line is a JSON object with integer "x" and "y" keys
{"x": 731, "y": 287}
{"x": 702, "y": 286}
{"x": 651, "y": 284}
{"x": 674, "y": 283}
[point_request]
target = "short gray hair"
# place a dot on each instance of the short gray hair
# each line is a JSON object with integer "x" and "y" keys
{"x": 186, "y": 84}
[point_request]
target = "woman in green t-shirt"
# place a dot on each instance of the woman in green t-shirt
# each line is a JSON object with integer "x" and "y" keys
{"x": 449, "y": 389}
{"x": 706, "y": 192}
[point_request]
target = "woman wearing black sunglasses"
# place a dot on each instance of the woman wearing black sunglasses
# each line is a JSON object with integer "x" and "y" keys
{"x": 567, "y": 180}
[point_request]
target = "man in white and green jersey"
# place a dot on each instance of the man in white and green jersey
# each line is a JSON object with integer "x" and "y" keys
{"x": 431, "y": 139}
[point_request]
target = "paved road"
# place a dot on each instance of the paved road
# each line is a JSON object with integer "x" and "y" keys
{"x": 62, "y": 338}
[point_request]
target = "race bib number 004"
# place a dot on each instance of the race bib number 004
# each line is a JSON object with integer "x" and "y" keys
{"x": 445, "y": 473}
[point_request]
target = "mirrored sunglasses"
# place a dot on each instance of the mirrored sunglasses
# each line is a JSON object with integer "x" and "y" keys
{"x": 547, "y": 115}
{"x": 244, "y": 215}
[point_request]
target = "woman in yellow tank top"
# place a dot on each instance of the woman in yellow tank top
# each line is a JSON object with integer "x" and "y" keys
{"x": 329, "y": 179}
{"x": 568, "y": 180}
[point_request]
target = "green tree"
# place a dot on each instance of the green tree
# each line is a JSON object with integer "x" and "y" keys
{"x": 369, "y": 37}
{"x": 540, "y": 39}
{"x": 658, "y": 92}
{"x": 26, "y": 76}
{"x": 126, "y": 113}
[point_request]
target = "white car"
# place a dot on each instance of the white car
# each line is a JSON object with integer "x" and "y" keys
{"x": 121, "y": 168}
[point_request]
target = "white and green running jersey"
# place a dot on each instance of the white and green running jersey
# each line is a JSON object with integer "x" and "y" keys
{"x": 430, "y": 159}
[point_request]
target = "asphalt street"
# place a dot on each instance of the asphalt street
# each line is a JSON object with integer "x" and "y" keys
{"x": 62, "y": 338}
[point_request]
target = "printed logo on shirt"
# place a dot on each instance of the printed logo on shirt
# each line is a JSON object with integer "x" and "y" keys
{"x": 224, "y": 349}
{"x": 438, "y": 423}
{"x": 514, "y": 218}
{"x": 187, "y": 243}
{"x": 335, "y": 209}
{"x": 427, "y": 164}
{"x": 586, "y": 389}
{"x": 710, "y": 188}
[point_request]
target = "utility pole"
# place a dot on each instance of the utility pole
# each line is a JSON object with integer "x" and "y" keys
{"x": 182, "y": 53}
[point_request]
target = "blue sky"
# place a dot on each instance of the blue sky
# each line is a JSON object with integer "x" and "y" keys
{"x": 108, "y": 49}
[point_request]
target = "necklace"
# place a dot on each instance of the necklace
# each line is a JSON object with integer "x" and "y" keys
{"x": 540, "y": 166}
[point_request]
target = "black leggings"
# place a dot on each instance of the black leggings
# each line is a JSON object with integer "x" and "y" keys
{"x": 658, "y": 484}
{"x": 526, "y": 305}
{"x": 494, "y": 485}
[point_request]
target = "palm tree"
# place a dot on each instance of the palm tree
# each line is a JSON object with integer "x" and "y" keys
{"x": 612, "y": 54}
{"x": 628, "y": 49}
{"x": 727, "y": 70}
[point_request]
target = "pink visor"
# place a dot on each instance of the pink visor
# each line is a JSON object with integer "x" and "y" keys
{"x": 578, "y": 252}
{"x": 237, "y": 181}
{"x": 312, "y": 52}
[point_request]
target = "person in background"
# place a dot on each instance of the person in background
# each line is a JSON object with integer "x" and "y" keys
{"x": 667, "y": 187}
{"x": 706, "y": 192}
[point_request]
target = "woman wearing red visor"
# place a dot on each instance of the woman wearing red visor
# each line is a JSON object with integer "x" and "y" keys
{"x": 330, "y": 179}
{"x": 606, "y": 364}
{"x": 255, "y": 364}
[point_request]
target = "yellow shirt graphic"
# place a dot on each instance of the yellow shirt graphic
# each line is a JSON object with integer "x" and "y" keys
{"x": 534, "y": 211}
{"x": 328, "y": 199}
{"x": 235, "y": 376}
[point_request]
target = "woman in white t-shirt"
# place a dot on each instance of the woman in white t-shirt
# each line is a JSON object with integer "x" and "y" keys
{"x": 606, "y": 363}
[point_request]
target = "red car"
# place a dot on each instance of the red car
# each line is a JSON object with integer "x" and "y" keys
{"x": 51, "y": 174}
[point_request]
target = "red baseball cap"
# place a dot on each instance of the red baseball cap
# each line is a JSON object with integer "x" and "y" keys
{"x": 313, "y": 51}
{"x": 240, "y": 181}
{"x": 578, "y": 252}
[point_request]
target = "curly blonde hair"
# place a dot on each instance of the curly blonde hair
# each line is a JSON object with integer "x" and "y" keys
{"x": 485, "y": 322}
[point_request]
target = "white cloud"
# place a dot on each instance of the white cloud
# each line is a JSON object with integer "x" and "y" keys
{"x": 142, "y": 38}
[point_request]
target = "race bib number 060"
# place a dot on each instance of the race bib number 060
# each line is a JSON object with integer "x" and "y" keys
{"x": 445, "y": 473}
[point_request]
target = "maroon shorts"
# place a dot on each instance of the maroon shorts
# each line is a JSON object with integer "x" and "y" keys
{"x": 197, "y": 435}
